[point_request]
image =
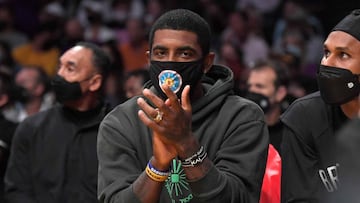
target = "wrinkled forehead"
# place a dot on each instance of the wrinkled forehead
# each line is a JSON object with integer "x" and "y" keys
{"x": 342, "y": 39}
{"x": 167, "y": 38}
{"x": 77, "y": 55}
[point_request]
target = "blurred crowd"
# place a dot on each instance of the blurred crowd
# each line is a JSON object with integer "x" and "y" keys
{"x": 33, "y": 34}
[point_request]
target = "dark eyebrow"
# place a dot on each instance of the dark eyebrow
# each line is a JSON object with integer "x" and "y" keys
{"x": 68, "y": 63}
{"x": 159, "y": 47}
{"x": 344, "y": 49}
{"x": 71, "y": 64}
{"x": 186, "y": 48}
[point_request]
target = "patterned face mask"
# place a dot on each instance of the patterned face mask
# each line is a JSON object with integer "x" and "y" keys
{"x": 175, "y": 74}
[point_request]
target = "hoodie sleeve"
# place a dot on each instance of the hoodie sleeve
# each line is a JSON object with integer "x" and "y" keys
{"x": 240, "y": 157}
{"x": 119, "y": 165}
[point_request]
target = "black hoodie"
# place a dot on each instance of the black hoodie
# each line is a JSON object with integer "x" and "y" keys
{"x": 231, "y": 128}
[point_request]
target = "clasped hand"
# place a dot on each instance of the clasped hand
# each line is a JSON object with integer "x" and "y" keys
{"x": 173, "y": 130}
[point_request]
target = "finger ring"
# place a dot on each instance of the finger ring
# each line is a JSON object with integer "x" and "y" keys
{"x": 159, "y": 116}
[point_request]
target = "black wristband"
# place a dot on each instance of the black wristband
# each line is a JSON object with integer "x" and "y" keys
{"x": 195, "y": 159}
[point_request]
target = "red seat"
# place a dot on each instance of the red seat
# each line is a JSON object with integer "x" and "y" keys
{"x": 271, "y": 187}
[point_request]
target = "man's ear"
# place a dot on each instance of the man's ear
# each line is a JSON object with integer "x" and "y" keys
{"x": 3, "y": 99}
{"x": 208, "y": 61}
{"x": 39, "y": 90}
{"x": 95, "y": 83}
{"x": 281, "y": 92}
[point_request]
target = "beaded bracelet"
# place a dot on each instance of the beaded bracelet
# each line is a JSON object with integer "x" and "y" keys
{"x": 158, "y": 172}
{"x": 156, "y": 175}
{"x": 195, "y": 159}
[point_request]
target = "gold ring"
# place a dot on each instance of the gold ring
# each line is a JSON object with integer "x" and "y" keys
{"x": 159, "y": 116}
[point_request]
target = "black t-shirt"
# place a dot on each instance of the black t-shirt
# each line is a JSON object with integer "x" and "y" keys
{"x": 309, "y": 163}
{"x": 275, "y": 133}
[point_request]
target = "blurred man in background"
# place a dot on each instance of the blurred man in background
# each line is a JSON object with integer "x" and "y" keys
{"x": 267, "y": 86}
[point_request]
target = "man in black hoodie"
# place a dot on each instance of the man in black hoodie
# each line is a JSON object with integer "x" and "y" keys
{"x": 188, "y": 138}
{"x": 267, "y": 86}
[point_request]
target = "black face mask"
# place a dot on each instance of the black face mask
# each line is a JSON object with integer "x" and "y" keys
{"x": 176, "y": 74}
{"x": 21, "y": 94}
{"x": 337, "y": 85}
{"x": 260, "y": 100}
{"x": 64, "y": 90}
